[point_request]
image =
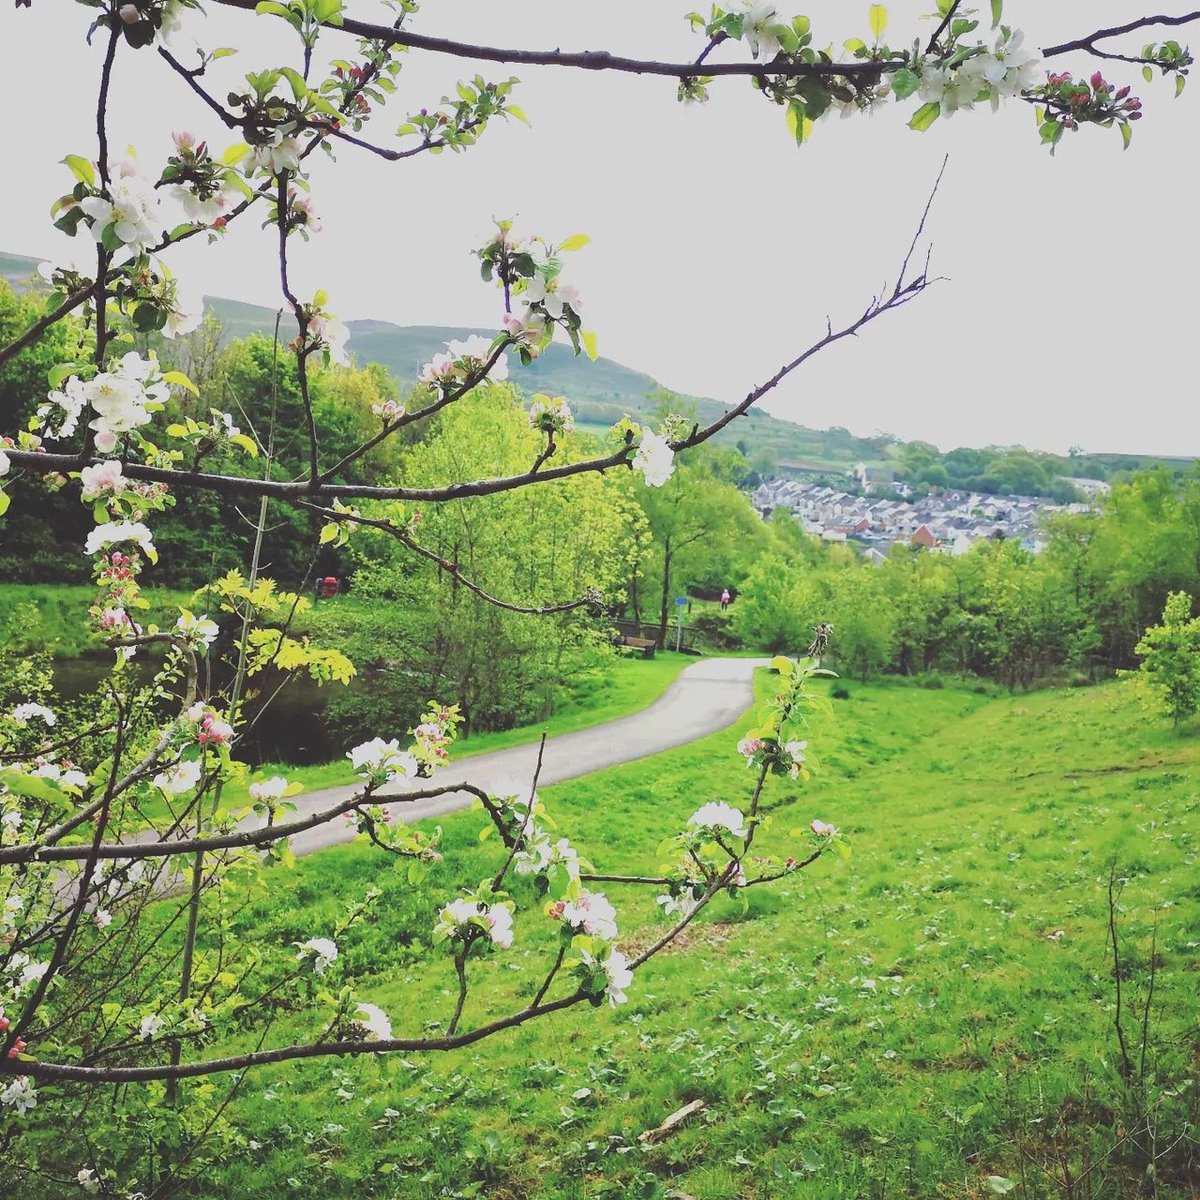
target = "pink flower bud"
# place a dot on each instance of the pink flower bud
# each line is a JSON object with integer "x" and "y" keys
{"x": 183, "y": 140}
{"x": 1098, "y": 81}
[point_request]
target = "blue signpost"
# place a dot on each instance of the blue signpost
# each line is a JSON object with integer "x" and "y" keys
{"x": 680, "y": 605}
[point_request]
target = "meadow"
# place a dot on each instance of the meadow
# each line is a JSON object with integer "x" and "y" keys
{"x": 933, "y": 1017}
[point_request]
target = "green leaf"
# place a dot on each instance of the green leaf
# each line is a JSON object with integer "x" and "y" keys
{"x": 1180, "y": 81}
{"x": 999, "y": 1185}
{"x": 57, "y": 375}
{"x": 247, "y": 444}
{"x": 1148, "y": 74}
{"x": 854, "y": 45}
{"x": 589, "y": 343}
{"x": 32, "y": 786}
{"x": 1126, "y": 134}
{"x": 878, "y": 17}
{"x": 81, "y": 169}
{"x": 329, "y": 533}
{"x": 925, "y": 116}
{"x": 235, "y": 154}
{"x": 5, "y": 501}
{"x": 905, "y": 82}
{"x": 997, "y": 12}
{"x": 576, "y": 241}
{"x": 179, "y": 379}
{"x": 222, "y": 52}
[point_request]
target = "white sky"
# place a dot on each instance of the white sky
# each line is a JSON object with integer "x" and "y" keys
{"x": 717, "y": 245}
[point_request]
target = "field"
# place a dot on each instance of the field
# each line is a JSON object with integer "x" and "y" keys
{"x": 934, "y": 1017}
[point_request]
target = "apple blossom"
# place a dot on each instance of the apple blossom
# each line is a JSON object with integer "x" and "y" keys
{"x": 282, "y": 154}
{"x": 592, "y": 913}
{"x": 105, "y": 477}
{"x": 130, "y": 210}
{"x": 116, "y": 533}
{"x": 5, "y": 464}
{"x": 150, "y": 1027}
{"x": 323, "y": 952}
{"x": 654, "y": 458}
{"x": 473, "y": 353}
{"x": 821, "y": 829}
{"x": 88, "y": 1180}
{"x": 269, "y": 789}
{"x": 383, "y": 761}
{"x": 24, "y": 712}
{"x": 760, "y": 28}
{"x": 20, "y": 1094}
{"x": 552, "y": 295}
{"x": 179, "y": 779}
{"x": 551, "y": 414}
{"x": 328, "y": 331}
{"x": 197, "y": 630}
{"x": 102, "y": 918}
{"x": 374, "y": 1021}
{"x": 719, "y": 815}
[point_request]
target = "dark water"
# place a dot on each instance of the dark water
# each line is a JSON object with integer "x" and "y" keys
{"x": 292, "y": 729}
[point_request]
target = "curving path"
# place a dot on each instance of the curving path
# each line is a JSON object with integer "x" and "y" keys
{"x": 708, "y": 696}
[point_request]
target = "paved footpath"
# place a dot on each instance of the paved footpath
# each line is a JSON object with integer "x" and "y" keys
{"x": 708, "y": 696}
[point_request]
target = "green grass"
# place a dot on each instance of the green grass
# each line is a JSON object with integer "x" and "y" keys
{"x": 890, "y": 1026}
{"x": 61, "y": 623}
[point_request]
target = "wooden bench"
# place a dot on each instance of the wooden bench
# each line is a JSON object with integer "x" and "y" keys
{"x": 646, "y": 645}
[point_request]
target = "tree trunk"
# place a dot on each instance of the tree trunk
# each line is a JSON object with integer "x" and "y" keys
{"x": 665, "y": 613}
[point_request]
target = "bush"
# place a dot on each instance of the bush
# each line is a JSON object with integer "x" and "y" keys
{"x": 840, "y": 694}
{"x": 715, "y": 629}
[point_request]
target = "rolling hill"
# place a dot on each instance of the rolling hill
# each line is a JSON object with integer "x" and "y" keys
{"x": 601, "y": 392}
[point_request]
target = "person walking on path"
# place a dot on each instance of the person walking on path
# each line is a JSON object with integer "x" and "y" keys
{"x": 725, "y": 598}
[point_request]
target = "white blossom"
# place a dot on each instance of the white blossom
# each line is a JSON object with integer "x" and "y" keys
{"x": 88, "y": 1180}
{"x": 323, "y": 952}
{"x": 282, "y": 154}
{"x": 197, "y": 629}
{"x": 100, "y": 479}
{"x": 114, "y": 533}
{"x": 5, "y": 464}
{"x": 23, "y": 713}
{"x": 131, "y": 210}
{"x": 719, "y": 815}
{"x": 477, "y": 349}
{"x": 380, "y": 758}
{"x": 20, "y": 1094}
{"x": 150, "y": 1027}
{"x": 760, "y": 28}
{"x": 269, "y": 789}
{"x": 654, "y": 458}
{"x": 592, "y": 913}
{"x": 375, "y": 1021}
{"x": 179, "y": 779}
{"x": 552, "y": 295}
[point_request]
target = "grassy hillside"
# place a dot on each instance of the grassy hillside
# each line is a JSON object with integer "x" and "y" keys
{"x": 934, "y": 1012}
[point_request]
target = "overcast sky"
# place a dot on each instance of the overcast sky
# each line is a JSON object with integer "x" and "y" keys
{"x": 718, "y": 247}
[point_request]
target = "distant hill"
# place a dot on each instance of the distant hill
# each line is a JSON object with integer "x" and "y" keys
{"x": 601, "y": 392}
